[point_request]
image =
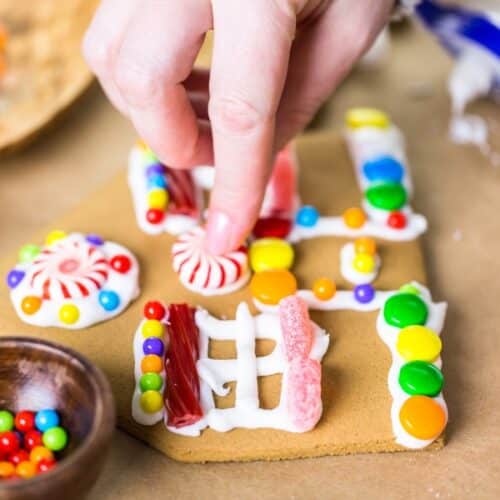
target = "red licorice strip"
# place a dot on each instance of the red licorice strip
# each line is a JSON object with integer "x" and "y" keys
{"x": 182, "y": 395}
{"x": 182, "y": 193}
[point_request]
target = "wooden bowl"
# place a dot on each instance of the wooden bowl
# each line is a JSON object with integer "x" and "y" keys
{"x": 35, "y": 374}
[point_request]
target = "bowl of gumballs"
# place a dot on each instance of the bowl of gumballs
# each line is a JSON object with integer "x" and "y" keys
{"x": 57, "y": 416}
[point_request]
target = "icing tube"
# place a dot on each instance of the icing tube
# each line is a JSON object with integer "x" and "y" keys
{"x": 296, "y": 327}
{"x": 182, "y": 395}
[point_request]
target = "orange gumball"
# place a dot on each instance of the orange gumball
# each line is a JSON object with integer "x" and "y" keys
{"x": 422, "y": 417}
{"x": 354, "y": 217}
{"x": 39, "y": 453}
{"x": 26, "y": 469}
{"x": 151, "y": 364}
{"x": 6, "y": 469}
{"x": 30, "y": 304}
{"x": 324, "y": 288}
{"x": 365, "y": 245}
{"x": 269, "y": 287}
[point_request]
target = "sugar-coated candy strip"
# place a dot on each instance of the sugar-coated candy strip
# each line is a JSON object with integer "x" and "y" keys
{"x": 182, "y": 193}
{"x": 182, "y": 395}
{"x": 296, "y": 327}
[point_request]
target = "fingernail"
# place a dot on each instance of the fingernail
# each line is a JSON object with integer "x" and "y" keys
{"x": 222, "y": 234}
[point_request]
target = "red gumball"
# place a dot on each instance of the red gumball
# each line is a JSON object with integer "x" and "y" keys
{"x": 32, "y": 438}
{"x": 45, "y": 465}
{"x": 155, "y": 216}
{"x": 154, "y": 310}
{"x": 25, "y": 421}
{"x": 9, "y": 442}
{"x": 396, "y": 220}
{"x": 121, "y": 264}
{"x": 19, "y": 456}
{"x": 272, "y": 227}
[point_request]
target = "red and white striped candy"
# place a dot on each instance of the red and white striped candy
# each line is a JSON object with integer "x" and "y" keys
{"x": 201, "y": 270}
{"x": 68, "y": 269}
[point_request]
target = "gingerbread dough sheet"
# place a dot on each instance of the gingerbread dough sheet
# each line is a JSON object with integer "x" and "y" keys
{"x": 357, "y": 403}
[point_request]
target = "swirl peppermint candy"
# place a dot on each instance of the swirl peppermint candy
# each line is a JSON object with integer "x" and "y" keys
{"x": 208, "y": 274}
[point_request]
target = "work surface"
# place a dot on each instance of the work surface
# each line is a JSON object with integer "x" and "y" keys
{"x": 459, "y": 191}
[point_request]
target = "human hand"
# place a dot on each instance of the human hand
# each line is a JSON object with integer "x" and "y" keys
{"x": 274, "y": 63}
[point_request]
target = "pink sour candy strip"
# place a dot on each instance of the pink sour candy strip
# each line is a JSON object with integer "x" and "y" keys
{"x": 296, "y": 327}
{"x": 304, "y": 393}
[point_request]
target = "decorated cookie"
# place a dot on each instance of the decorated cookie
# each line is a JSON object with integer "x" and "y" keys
{"x": 359, "y": 261}
{"x": 201, "y": 272}
{"x": 74, "y": 281}
{"x": 191, "y": 377}
{"x": 165, "y": 199}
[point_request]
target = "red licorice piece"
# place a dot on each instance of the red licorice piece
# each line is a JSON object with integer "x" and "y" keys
{"x": 154, "y": 310}
{"x": 272, "y": 227}
{"x": 396, "y": 220}
{"x": 121, "y": 264}
{"x": 182, "y": 198}
{"x": 155, "y": 216}
{"x": 182, "y": 394}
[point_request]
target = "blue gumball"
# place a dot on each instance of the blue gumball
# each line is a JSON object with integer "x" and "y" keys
{"x": 46, "y": 419}
{"x": 109, "y": 300}
{"x": 307, "y": 216}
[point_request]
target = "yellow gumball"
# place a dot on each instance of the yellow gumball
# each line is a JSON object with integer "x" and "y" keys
{"x": 366, "y": 117}
{"x": 270, "y": 253}
{"x": 151, "y": 401}
{"x": 152, "y": 328}
{"x": 54, "y": 236}
{"x": 418, "y": 343}
{"x": 158, "y": 199}
{"x": 69, "y": 314}
{"x": 364, "y": 263}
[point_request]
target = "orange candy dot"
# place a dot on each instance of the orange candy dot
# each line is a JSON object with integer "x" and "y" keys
{"x": 6, "y": 469}
{"x": 365, "y": 245}
{"x": 39, "y": 453}
{"x": 26, "y": 469}
{"x": 354, "y": 217}
{"x": 151, "y": 363}
{"x": 31, "y": 304}
{"x": 324, "y": 288}
{"x": 422, "y": 417}
{"x": 269, "y": 287}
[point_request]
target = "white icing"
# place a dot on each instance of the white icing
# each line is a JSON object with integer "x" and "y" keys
{"x": 173, "y": 224}
{"x": 245, "y": 369}
{"x": 347, "y": 254}
{"x": 138, "y": 414}
{"x": 91, "y": 312}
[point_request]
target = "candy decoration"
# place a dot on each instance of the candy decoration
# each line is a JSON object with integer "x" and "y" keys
{"x": 405, "y": 309}
{"x": 409, "y": 288}
{"x": 270, "y": 253}
{"x": 354, "y": 218}
{"x": 307, "y": 216}
{"x": 156, "y": 181}
{"x": 386, "y": 196}
{"x": 54, "y": 236}
{"x": 155, "y": 216}
{"x": 397, "y": 220}
{"x": 182, "y": 395}
{"x": 151, "y": 364}
{"x": 26, "y": 470}
{"x": 9, "y": 442}
{"x": 7, "y": 470}
{"x": 365, "y": 246}
{"x": 367, "y": 117}
{"x": 69, "y": 314}
{"x": 55, "y": 438}
{"x": 364, "y": 293}
{"x": 28, "y": 253}
{"x": 46, "y": 419}
{"x": 151, "y": 402}
{"x": 30, "y": 305}
{"x": 152, "y": 328}
{"x": 121, "y": 263}
{"x": 15, "y": 277}
{"x": 32, "y": 438}
{"x": 19, "y": 456}
{"x": 154, "y": 310}
{"x": 25, "y": 421}
{"x": 364, "y": 263}
{"x": 418, "y": 343}
{"x": 205, "y": 273}
{"x": 383, "y": 169}
{"x": 269, "y": 287}
{"x": 94, "y": 239}
{"x": 421, "y": 378}
{"x": 39, "y": 453}
{"x": 153, "y": 345}
{"x": 109, "y": 300}
{"x": 272, "y": 227}
{"x": 422, "y": 417}
{"x": 156, "y": 169}
{"x": 45, "y": 465}
{"x": 324, "y": 289}
{"x": 295, "y": 327}
{"x": 158, "y": 199}
{"x": 6, "y": 421}
{"x": 150, "y": 382}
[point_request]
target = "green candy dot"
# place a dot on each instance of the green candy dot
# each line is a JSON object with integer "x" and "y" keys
{"x": 28, "y": 253}
{"x": 405, "y": 309}
{"x": 421, "y": 378}
{"x": 6, "y": 421}
{"x": 409, "y": 288}
{"x": 150, "y": 382}
{"x": 149, "y": 156}
{"x": 387, "y": 196}
{"x": 55, "y": 439}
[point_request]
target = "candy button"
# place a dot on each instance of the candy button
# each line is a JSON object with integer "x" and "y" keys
{"x": 307, "y": 216}
{"x": 269, "y": 287}
{"x": 156, "y": 169}
{"x": 409, "y": 288}
{"x": 69, "y": 314}
{"x": 155, "y": 216}
{"x": 150, "y": 382}
{"x": 121, "y": 264}
{"x": 387, "y": 196}
{"x": 397, "y": 220}
{"x": 354, "y": 217}
{"x": 365, "y": 245}
{"x": 364, "y": 293}
{"x": 6, "y": 421}
{"x": 15, "y": 277}
{"x": 366, "y": 117}
{"x": 158, "y": 198}
{"x": 405, "y": 309}
{"x": 364, "y": 263}
{"x": 154, "y": 310}
{"x": 55, "y": 439}
{"x": 421, "y": 378}
{"x": 94, "y": 239}
{"x": 149, "y": 156}
{"x": 28, "y": 253}
{"x": 153, "y": 345}
{"x": 109, "y": 300}
{"x": 151, "y": 363}
{"x": 152, "y": 328}
{"x": 54, "y": 236}
{"x": 151, "y": 401}
{"x": 422, "y": 417}
{"x": 157, "y": 181}
{"x": 272, "y": 227}
{"x": 270, "y": 253}
{"x": 383, "y": 169}
{"x": 30, "y": 304}
{"x": 324, "y": 289}
{"x": 418, "y": 343}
